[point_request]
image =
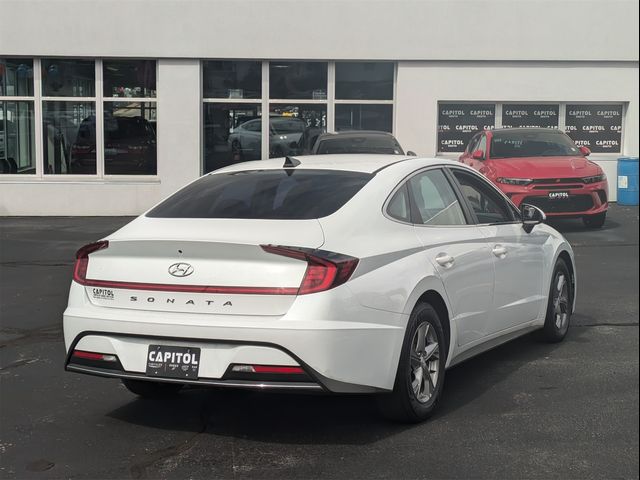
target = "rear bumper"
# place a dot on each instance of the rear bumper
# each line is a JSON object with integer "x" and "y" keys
{"x": 205, "y": 382}
{"x": 584, "y": 200}
{"x": 337, "y": 356}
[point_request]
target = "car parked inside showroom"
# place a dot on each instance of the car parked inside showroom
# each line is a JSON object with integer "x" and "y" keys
{"x": 542, "y": 167}
{"x": 285, "y": 133}
{"x": 364, "y": 274}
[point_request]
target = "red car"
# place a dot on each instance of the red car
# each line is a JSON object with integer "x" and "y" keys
{"x": 542, "y": 167}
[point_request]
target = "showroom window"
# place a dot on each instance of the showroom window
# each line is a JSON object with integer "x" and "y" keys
{"x": 364, "y": 96}
{"x": 597, "y": 126}
{"x": 65, "y": 116}
{"x": 92, "y": 118}
{"x": 129, "y": 117}
{"x": 232, "y": 112}
{"x": 458, "y": 122}
{"x": 303, "y": 99}
{"x": 17, "y": 118}
{"x": 298, "y": 94}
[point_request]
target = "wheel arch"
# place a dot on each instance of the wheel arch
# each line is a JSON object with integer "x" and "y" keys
{"x": 431, "y": 290}
{"x": 568, "y": 260}
{"x": 434, "y": 299}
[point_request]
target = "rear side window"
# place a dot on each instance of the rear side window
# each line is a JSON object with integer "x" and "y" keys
{"x": 264, "y": 194}
{"x": 398, "y": 207}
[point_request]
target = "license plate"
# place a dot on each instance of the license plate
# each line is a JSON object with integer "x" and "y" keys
{"x": 558, "y": 195}
{"x": 173, "y": 362}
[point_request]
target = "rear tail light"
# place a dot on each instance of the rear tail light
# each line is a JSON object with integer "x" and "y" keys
{"x": 100, "y": 357}
{"x": 82, "y": 260}
{"x": 272, "y": 369}
{"x": 325, "y": 270}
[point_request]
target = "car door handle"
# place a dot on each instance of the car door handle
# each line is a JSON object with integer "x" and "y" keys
{"x": 445, "y": 260}
{"x": 499, "y": 251}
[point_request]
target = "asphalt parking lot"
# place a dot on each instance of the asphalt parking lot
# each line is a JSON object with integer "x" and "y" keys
{"x": 523, "y": 410}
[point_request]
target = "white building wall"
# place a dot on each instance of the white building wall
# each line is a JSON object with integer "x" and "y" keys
{"x": 324, "y": 29}
{"x": 421, "y": 85}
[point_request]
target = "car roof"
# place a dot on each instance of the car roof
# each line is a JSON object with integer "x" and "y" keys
{"x": 358, "y": 162}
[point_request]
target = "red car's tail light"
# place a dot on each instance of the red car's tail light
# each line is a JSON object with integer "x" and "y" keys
{"x": 82, "y": 260}
{"x": 325, "y": 270}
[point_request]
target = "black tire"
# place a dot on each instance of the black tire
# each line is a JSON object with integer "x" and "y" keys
{"x": 147, "y": 389}
{"x": 556, "y": 324}
{"x": 595, "y": 221}
{"x": 403, "y": 403}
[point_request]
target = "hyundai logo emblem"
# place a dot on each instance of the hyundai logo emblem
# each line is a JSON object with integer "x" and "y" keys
{"x": 180, "y": 269}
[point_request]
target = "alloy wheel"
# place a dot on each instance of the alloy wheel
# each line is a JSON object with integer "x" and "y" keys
{"x": 425, "y": 362}
{"x": 561, "y": 301}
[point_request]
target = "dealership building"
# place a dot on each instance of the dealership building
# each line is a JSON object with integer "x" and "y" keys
{"x": 106, "y": 107}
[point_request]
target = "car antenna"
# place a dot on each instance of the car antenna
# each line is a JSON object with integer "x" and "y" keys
{"x": 290, "y": 162}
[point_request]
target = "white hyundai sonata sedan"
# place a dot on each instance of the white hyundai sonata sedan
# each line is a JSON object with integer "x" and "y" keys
{"x": 341, "y": 273}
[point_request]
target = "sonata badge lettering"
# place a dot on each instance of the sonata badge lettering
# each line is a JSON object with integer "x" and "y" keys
{"x": 185, "y": 301}
{"x": 181, "y": 269}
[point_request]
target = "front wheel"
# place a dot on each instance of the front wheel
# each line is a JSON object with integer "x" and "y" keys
{"x": 149, "y": 389}
{"x": 595, "y": 221}
{"x": 556, "y": 324}
{"x": 420, "y": 375}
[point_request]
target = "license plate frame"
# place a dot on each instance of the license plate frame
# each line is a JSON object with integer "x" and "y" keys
{"x": 173, "y": 361}
{"x": 558, "y": 196}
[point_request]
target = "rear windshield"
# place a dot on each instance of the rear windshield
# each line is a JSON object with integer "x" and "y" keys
{"x": 363, "y": 144}
{"x": 264, "y": 194}
{"x": 532, "y": 144}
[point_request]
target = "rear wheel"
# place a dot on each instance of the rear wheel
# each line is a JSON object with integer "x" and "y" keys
{"x": 147, "y": 389}
{"x": 595, "y": 221}
{"x": 420, "y": 375}
{"x": 558, "y": 317}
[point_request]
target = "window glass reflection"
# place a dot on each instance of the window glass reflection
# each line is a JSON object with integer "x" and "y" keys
{"x": 298, "y": 80}
{"x": 232, "y": 134}
{"x": 229, "y": 79}
{"x": 69, "y": 137}
{"x": 129, "y": 138}
{"x": 364, "y": 80}
{"x": 293, "y": 129}
{"x": 364, "y": 117}
{"x": 17, "y": 138}
{"x": 68, "y": 78}
{"x": 129, "y": 78}
{"x": 16, "y": 77}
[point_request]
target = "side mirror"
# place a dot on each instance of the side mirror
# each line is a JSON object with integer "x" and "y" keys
{"x": 478, "y": 155}
{"x": 412, "y": 153}
{"x": 531, "y": 216}
{"x": 585, "y": 151}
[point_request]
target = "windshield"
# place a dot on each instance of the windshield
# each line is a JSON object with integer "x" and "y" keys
{"x": 264, "y": 194}
{"x": 363, "y": 144}
{"x": 517, "y": 144}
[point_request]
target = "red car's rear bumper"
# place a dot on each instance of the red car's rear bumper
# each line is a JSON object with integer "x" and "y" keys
{"x": 581, "y": 199}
